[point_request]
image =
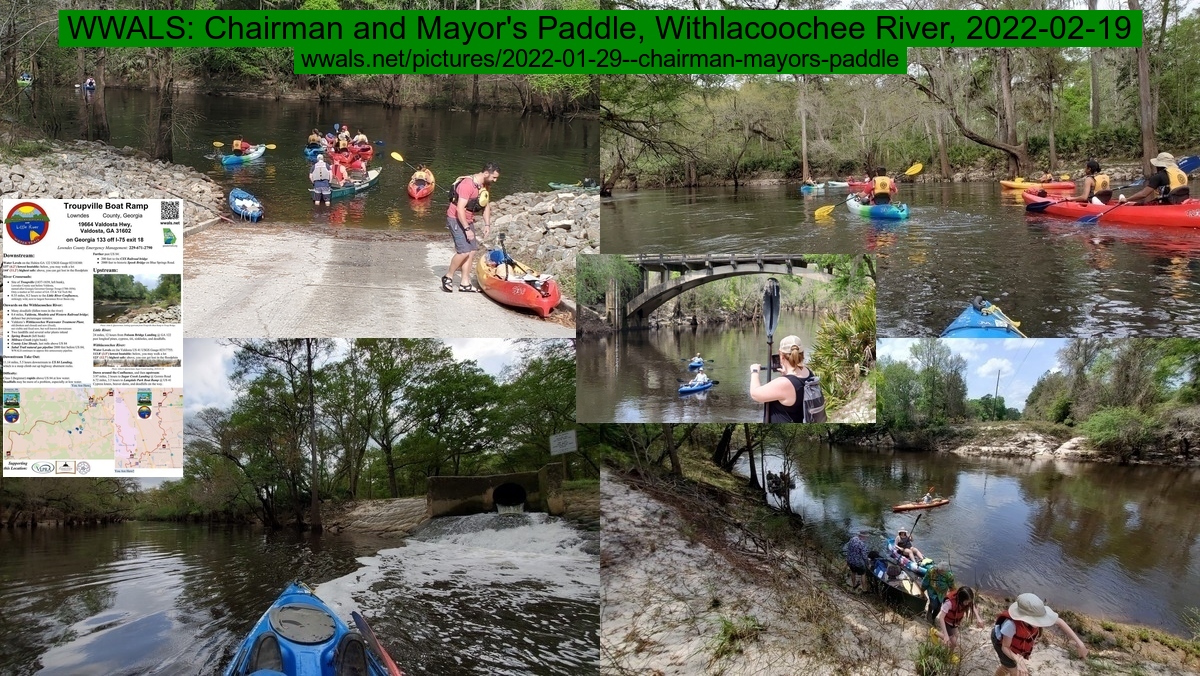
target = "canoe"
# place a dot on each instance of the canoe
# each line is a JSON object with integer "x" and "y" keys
{"x": 355, "y": 186}
{"x": 524, "y": 288}
{"x": 245, "y": 205}
{"x": 909, "y": 506}
{"x": 1173, "y": 215}
{"x": 904, "y": 589}
{"x": 1023, "y": 185}
{"x": 310, "y": 635}
{"x": 691, "y": 389}
{"x": 255, "y": 153}
{"x": 420, "y": 193}
{"x": 895, "y": 212}
{"x": 981, "y": 319}
{"x": 574, "y": 186}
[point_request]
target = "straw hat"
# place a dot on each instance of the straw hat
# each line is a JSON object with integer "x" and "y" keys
{"x": 1163, "y": 160}
{"x": 1031, "y": 610}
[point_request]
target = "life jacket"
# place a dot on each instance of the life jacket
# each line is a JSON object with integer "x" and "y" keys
{"x": 955, "y": 614}
{"x": 1100, "y": 183}
{"x": 475, "y": 204}
{"x": 1178, "y": 179}
{"x": 343, "y": 143}
{"x": 320, "y": 172}
{"x": 1024, "y": 638}
{"x": 314, "y": 138}
{"x": 237, "y": 145}
{"x": 882, "y": 185}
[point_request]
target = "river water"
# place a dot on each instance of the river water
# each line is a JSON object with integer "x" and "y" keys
{"x": 633, "y": 376}
{"x": 1121, "y": 543}
{"x": 530, "y": 151}
{"x": 1056, "y": 277}
{"x": 144, "y": 598}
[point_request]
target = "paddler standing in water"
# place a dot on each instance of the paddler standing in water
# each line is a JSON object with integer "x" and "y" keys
{"x": 320, "y": 177}
{"x": 468, "y": 196}
{"x": 1018, "y": 629}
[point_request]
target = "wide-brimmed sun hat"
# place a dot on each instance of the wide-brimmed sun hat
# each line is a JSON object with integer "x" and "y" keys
{"x": 1163, "y": 160}
{"x": 1030, "y": 609}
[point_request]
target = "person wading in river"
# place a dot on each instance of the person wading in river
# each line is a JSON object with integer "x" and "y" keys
{"x": 468, "y": 196}
{"x": 320, "y": 176}
{"x": 1018, "y": 629}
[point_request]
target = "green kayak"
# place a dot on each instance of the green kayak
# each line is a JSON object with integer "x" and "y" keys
{"x": 357, "y": 186}
{"x": 575, "y": 186}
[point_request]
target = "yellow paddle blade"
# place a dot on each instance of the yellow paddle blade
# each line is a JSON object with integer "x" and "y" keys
{"x": 1066, "y": 177}
{"x": 397, "y": 156}
{"x": 914, "y": 169}
{"x": 825, "y": 210}
{"x": 270, "y": 146}
{"x": 218, "y": 144}
{"x": 1016, "y": 325}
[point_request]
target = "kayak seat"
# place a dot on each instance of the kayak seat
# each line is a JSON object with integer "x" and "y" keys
{"x": 301, "y": 623}
{"x": 265, "y": 656}
{"x": 1104, "y": 196}
{"x": 351, "y": 656}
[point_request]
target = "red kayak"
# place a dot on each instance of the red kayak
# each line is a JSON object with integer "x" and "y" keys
{"x": 419, "y": 193}
{"x": 1185, "y": 215}
{"x": 364, "y": 152}
{"x": 853, "y": 185}
{"x": 524, "y": 288}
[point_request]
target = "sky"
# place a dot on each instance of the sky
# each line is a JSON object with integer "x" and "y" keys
{"x": 1019, "y": 361}
{"x": 208, "y": 362}
{"x": 148, "y": 281}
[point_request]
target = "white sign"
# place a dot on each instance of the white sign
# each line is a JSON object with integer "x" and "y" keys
{"x": 563, "y": 443}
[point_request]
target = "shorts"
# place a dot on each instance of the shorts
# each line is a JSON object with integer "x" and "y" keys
{"x": 857, "y": 570}
{"x": 1005, "y": 660}
{"x": 320, "y": 189}
{"x": 951, "y": 629}
{"x": 461, "y": 244}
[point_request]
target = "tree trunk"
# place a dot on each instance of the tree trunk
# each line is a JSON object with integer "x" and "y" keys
{"x": 1094, "y": 64}
{"x": 672, "y": 452}
{"x": 314, "y": 516}
{"x": 164, "y": 124}
{"x": 943, "y": 155}
{"x": 750, "y": 447}
{"x": 802, "y": 108}
{"x": 1145, "y": 101}
{"x": 475, "y": 93}
{"x": 99, "y": 112}
{"x": 1050, "y": 134}
{"x": 721, "y": 453}
{"x": 1018, "y": 155}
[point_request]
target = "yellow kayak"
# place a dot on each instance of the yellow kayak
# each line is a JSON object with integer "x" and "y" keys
{"x": 1023, "y": 185}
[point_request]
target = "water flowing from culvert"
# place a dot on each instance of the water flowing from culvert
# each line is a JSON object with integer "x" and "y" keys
{"x": 510, "y": 509}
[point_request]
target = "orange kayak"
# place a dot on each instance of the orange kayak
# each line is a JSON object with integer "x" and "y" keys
{"x": 908, "y": 506}
{"x": 524, "y": 288}
{"x": 419, "y": 193}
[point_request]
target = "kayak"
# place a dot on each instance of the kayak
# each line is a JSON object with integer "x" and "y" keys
{"x": 858, "y": 185}
{"x": 905, "y": 562}
{"x": 313, "y": 149}
{"x": 903, "y": 588}
{"x": 356, "y": 186}
{"x": 909, "y": 506}
{"x": 524, "y": 288}
{"x": 364, "y": 152}
{"x": 312, "y": 640}
{"x": 981, "y": 319}
{"x": 245, "y": 205}
{"x": 812, "y": 188}
{"x": 895, "y": 212}
{"x": 1023, "y": 185}
{"x": 1176, "y": 215}
{"x": 689, "y": 389}
{"x": 574, "y": 186}
{"x": 695, "y": 363}
{"x": 255, "y": 153}
{"x": 837, "y": 184}
{"x": 420, "y": 193}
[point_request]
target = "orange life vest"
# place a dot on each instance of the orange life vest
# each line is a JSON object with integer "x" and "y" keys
{"x": 1026, "y": 636}
{"x": 883, "y": 185}
{"x": 237, "y": 145}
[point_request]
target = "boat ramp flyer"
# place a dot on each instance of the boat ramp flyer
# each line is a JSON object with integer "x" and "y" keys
{"x": 93, "y": 342}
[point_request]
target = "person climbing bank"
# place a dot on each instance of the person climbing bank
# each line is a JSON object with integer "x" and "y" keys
{"x": 1017, "y": 630}
{"x": 468, "y": 196}
{"x": 958, "y": 606}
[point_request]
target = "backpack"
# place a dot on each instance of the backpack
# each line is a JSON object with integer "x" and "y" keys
{"x": 814, "y": 401}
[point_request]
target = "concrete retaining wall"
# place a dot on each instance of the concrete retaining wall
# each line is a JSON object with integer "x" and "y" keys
{"x": 463, "y": 495}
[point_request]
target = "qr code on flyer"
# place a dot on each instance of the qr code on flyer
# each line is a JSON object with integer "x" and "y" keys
{"x": 170, "y": 210}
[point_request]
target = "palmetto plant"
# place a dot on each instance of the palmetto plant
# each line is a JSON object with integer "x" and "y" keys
{"x": 845, "y": 349}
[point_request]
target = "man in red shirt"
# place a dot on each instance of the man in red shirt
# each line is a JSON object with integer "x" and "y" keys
{"x": 468, "y": 196}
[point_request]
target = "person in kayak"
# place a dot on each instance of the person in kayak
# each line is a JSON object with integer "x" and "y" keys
{"x": 927, "y": 499}
{"x": 315, "y": 138}
{"x": 339, "y": 175}
{"x": 857, "y": 559}
{"x": 700, "y": 379}
{"x": 904, "y": 543}
{"x": 1167, "y": 185}
{"x": 784, "y": 396}
{"x": 1095, "y": 188}
{"x": 1017, "y": 630}
{"x": 239, "y": 146}
{"x": 422, "y": 177}
{"x": 1046, "y": 177}
{"x": 360, "y": 139}
{"x": 958, "y": 606}
{"x": 882, "y": 187}
{"x": 320, "y": 176}
{"x": 468, "y": 196}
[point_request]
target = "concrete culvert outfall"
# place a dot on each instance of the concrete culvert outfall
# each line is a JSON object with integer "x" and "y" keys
{"x": 509, "y": 495}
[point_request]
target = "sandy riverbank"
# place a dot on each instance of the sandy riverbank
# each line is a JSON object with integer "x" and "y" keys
{"x": 692, "y": 584}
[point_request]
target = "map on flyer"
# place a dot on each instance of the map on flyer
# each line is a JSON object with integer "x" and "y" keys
{"x": 97, "y": 431}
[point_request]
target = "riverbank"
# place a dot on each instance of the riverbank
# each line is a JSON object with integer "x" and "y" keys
{"x": 1030, "y": 440}
{"x": 152, "y": 314}
{"x": 700, "y": 577}
{"x": 90, "y": 169}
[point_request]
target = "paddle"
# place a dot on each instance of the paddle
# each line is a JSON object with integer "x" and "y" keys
{"x": 1096, "y": 217}
{"x": 828, "y": 209}
{"x": 376, "y": 646}
{"x": 505, "y": 251}
{"x": 400, "y": 158}
{"x": 771, "y": 321}
{"x": 218, "y": 144}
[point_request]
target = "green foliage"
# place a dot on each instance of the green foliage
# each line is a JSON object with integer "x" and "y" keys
{"x": 1122, "y": 432}
{"x": 934, "y": 658}
{"x": 845, "y": 349}
{"x": 320, "y": 4}
{"x": 592, "y": 274}
{"x": 733, "y": 633}
{"x": 118, "y": 287}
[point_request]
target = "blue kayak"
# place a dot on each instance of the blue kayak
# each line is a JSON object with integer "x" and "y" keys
{"x": 895, "y": 212}
{"x": 689, "y": 389}
{"x": 255, "y": 153}
{"x": 311, "y": 641}
{"x": 312, "y": 150}
{"x": 695, "y": 363}
{"x": 981, "y": 319}
{"x": 245, "y": 205}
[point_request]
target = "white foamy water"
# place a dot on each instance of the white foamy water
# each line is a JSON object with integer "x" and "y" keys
{"x": 490, "y": 593}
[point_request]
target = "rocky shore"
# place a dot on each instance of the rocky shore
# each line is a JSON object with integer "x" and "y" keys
{"x": 149, "y": 315}
{"x": 89, "y": 169}
{"x": 397, "y": 517}
{"x": 548, "y": 229}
